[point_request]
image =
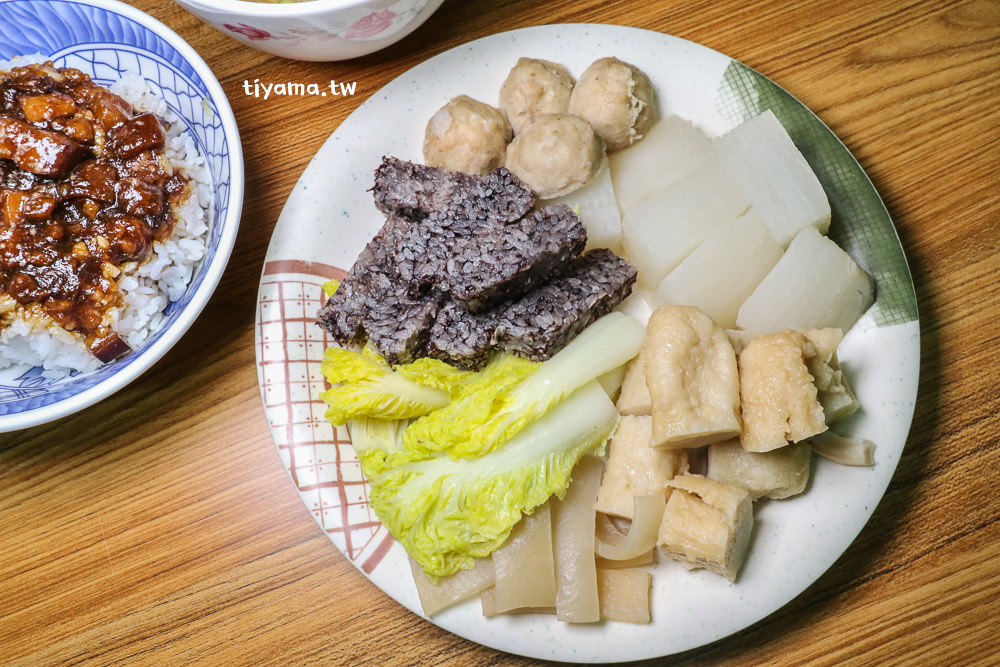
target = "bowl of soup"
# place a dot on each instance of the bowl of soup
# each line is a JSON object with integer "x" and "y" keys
{"x": 317, "y": 30}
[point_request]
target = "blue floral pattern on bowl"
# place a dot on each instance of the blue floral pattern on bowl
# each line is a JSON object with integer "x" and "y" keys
{"x": 108, "y": 39}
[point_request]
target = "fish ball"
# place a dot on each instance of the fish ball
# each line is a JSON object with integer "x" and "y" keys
{"x": 467, "y": 135}
{"x": 532, "y": 88}
{"x": 617, "y": 99}
{"x": 556, "y": 155}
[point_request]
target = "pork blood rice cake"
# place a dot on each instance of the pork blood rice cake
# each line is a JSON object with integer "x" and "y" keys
{"x": 463, "y": 267}
{"x": 545, "y": 319}
{"x": 417, "y": 191}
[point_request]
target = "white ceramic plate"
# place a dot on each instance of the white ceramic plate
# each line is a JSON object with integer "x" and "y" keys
{"x": 330, "y": 216}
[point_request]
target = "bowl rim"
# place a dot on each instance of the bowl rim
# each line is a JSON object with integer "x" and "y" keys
{"x": 260, "y": 9}
{"x": 148, "y": 355}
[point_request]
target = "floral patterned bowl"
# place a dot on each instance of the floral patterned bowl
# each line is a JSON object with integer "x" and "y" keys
{"x": 319, "y": 30}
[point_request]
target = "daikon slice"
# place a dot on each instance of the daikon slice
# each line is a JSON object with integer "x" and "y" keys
{"x": 661, "y": 231}
{"x": 780, "y": 183}
{"x": 597, "y": 208}
{"x": 670, "y": 150}
{"x": 435, "y": 596}
{"x": 624, "y": 595}
{"x": 523, "y": 566}
{"x": 814, "y": 285}
{"x": 573, "y": 525}
{"x": 641, "y": 536}
{"x": 723, "y": 271}
{"x": 636, "y": 306}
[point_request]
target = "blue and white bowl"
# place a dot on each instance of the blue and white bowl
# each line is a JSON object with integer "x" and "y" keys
{"x": 108, "y": 39}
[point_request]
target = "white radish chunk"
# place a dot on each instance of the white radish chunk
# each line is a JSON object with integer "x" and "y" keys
{"x": 670, "y": 150}
{"x": 664, "y": 229}
{"x": 573, "y": 526}
{"x": 636, "y": 305}
{"x": 814, "y": 285}
{"x": 723, "y": 271}
{"x": 780, "y": 183}
{"x": 597, "y": 208}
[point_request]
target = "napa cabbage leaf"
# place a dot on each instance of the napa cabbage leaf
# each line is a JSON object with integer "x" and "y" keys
{"x": 489, "y": 412}
{"x": 364, "y": 385}
{"x": 450, "y": 485}
{"x": 447, "y": 512}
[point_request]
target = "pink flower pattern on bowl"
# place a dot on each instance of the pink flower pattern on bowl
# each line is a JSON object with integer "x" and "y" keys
{"x": 315, "y": 31}
{"x": 248, "y": 31}
{"x": 370, "y": 25}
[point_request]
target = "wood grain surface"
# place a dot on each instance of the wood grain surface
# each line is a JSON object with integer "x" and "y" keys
{"x": 160, "y": 528}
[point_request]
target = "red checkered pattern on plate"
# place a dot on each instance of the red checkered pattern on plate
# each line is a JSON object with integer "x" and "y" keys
{"x": 318, "y": 457}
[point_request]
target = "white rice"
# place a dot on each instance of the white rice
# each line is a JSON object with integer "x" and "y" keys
{"x": 147, "y": 289}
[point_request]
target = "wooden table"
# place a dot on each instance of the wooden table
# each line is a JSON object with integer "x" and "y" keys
{"x": 159, "y": 527}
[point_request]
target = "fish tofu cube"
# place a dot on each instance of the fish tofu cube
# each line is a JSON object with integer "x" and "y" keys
{"x": 692, "y": 377}
{"x": 706, "y": 524}
{"x": 779, "y": 398}
{"x": 634, "y": 468}
{"x": 834, "y": 391}
{"x": 633, "y": 399}
{"x": 780, "y": 473}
